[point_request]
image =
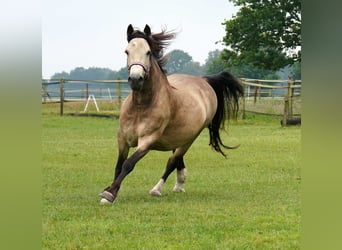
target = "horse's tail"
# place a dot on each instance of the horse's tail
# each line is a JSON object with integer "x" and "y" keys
{"x": 228, "y": 90}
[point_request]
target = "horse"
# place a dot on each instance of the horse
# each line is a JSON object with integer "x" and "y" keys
{"x": 167, "y": 113}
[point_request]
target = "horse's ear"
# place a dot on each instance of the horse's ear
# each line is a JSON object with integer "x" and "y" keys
{"x": 130, "y": 30}
{"x": 147, "y": 30}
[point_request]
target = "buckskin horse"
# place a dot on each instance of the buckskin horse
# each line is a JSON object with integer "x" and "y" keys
{"x": 167, "y": 113}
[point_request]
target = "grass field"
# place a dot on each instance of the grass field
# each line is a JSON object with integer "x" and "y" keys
{"x": 250, "y": 200}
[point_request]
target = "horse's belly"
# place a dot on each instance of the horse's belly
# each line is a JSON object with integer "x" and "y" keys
{"x": 168, "y": 146}
{"x": 175, "y": 138}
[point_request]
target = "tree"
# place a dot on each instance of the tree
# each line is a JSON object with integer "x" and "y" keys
{"x": 177, "y": 60}
{"x": 192, "y": 68}
{"x": 217, "y": 62}
{"x": 249, "y": 71}
{"x": 296, "y": 71}
{"x": 122, "y": 74}
{"x": 92, "y": 73}
{"x": 214, "y": 64}
{"x": 265, "y": 34}
{"x": 60, "y": 75}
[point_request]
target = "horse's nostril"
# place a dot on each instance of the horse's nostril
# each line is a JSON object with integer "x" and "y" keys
{"x": 141, "y": 78}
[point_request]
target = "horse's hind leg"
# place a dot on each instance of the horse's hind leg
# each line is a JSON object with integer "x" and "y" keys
{"x": 171, "y": 165}
{"x": 175, "y": 161}
{"x": 180, "y": 179}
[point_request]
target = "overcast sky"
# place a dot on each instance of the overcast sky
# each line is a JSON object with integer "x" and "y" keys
{"x": 85, "y": 33}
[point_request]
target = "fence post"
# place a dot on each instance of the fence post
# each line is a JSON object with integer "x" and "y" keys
{"x": 119, "y": 91}
{"x": 61, "y": 95}
{"x": 44, "y": 93}
{"x": 87, "y": 91}
{"x": 257, "y": 91}
{"x": 288, "y": 107}
{"x": 291, "y": 91}
{"x": 243, "y": 101}
{"x": 286, "y": 111}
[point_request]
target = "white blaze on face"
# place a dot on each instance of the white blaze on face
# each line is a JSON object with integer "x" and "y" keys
{"x": 138, "y": 54}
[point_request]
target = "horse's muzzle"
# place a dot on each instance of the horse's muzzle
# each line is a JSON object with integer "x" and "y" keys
{"x": 136, "y": 83}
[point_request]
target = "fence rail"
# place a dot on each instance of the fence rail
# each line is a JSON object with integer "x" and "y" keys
{"x": 292, "y": 92}
{"x": 283, "y": 96}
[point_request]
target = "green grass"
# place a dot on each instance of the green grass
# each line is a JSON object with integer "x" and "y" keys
{"x": 251, "y": 200}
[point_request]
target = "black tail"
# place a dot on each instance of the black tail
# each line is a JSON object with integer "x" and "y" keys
{"x": 228, "y": 90}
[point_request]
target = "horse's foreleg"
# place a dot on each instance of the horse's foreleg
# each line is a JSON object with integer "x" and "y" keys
{"x": 110, "y": 193}
{"x": 106, "y": 194}
{"x": 121, "y": 159}
{"x": 123, "y": 153}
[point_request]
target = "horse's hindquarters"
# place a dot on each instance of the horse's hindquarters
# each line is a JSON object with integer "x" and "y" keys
{"x": 195, "y": 100}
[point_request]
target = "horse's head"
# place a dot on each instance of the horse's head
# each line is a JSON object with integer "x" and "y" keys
{"x": 142, "y": 46}
{"x": 138, "y": 56}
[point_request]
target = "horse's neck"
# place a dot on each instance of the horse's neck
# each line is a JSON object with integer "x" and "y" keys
{"x": 156, "y": 86}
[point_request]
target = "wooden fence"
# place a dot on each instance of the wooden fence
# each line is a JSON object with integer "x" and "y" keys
{"x": 78, "y": 94}
{"x": 283, "y": 95}
{"x": 253, "y": 88}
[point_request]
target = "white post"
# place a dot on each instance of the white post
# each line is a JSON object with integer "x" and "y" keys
{"x": 248, "y": 90}
{"x": 110, "y": 96}
{"x": 86, "y": 106}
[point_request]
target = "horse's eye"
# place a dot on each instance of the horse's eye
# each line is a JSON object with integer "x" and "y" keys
{"x": 126, "y": 52}
{"x": 148, "y": 53}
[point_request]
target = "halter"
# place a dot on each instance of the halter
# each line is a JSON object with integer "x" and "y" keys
{"x": 146, "y": 69}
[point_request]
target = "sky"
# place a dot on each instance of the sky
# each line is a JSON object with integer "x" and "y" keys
{"x": 85, "y": 33}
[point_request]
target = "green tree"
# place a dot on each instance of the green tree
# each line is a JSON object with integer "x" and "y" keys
{"x": 62, "y": 74}
{"x": 249, "y": 71}
{"x": 192, "y": 68}
{"x": 214, "y": 64}
{"x": 122, "y": 74}
{"x": 296, "y": 71}
{"x": 217, "y": 62}
{"x": 92, "y": 73}
{"x": 265, "y": 34}
{"x": 177, "y": 60}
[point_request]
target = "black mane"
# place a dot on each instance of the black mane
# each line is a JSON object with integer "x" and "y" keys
{"x": 157, "y": 42}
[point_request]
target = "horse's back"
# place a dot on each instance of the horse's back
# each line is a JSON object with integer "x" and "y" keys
{"x": 183, "y": 81}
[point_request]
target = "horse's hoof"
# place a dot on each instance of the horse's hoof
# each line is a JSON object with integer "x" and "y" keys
{"x": 177, "y": 189}
{"x": 155, "y": 192}
{"x": 106, "y": 196}
{"x": 104, "y": 201}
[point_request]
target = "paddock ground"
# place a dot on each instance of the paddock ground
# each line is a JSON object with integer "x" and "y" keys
{"x": 250, "y": 200}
